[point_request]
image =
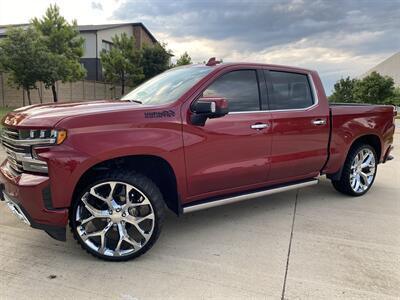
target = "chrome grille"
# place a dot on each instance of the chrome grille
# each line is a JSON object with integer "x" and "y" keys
{"x": 19, "y": 156}
{"x": 15, "y": 148}
{"x": 16, "y": 165}
{"x": 13, "y": 151}
{"x": 11, "y": 133}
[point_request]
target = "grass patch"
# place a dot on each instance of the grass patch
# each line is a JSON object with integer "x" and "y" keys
{"x": 5, "y": 110}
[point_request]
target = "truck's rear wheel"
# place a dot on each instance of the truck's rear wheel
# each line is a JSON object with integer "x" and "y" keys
{"x": 358, "y": 172}
{"x": 118, "y": 216}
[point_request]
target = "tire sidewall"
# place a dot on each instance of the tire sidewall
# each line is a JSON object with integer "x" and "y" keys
{"x": 145, "y": 186}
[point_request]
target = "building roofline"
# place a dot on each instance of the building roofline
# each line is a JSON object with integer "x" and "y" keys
{"x": 11, "y": 25}
{"x": 147, "y": 31}
{"x": 112, "y": 26}
{"x": 383, "y": 62}
{"x": 3, "y": 33}
{"x": 94, "y": 29}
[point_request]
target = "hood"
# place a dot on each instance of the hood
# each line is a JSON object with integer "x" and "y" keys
{"x": 48, "y": 115}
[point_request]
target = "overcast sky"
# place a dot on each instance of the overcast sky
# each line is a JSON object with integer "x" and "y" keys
{"x": 337, "y": 38}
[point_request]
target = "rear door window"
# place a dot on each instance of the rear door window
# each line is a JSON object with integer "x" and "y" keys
{"x": 288, "y": 90}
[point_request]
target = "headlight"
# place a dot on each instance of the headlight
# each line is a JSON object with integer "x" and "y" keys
{"x": 42, "y": 136}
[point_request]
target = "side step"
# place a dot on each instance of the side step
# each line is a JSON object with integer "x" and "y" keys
{"x": 248, "y": 196}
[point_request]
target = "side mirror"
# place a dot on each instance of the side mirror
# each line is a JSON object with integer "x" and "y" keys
{"x": 208, "y": 108}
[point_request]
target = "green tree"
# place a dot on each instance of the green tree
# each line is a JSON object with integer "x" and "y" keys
{"x": 155, "y": 59}
{"x": 374, "y": 88}
{"x": 21, "y": 56}
{"x": 185, "y": 59}
{"x": 121, "y": 63}
{"x": 64, "y": 49}
{"x": 395, "y": 98}
{"x": 343, "y": 90}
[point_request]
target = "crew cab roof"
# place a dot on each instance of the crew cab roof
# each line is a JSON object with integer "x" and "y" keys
{"x": 250, "y": 65}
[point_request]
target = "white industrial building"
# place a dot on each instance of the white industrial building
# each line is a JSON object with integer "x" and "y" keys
{"x": 389, "y": 67}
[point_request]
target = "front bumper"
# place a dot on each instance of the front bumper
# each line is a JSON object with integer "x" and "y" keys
{"x": 27, "y": 197}
{"x": 15, "y": 209}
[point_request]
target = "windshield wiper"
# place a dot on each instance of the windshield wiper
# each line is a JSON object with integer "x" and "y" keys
{"x": 136, "y": 101}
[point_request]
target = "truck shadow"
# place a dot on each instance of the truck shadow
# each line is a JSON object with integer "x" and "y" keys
{"x": 271, "y": 215}
{"x": 277, "y": 206}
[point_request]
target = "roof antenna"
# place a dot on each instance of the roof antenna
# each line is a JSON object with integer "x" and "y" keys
{"x": 212, "y": 62}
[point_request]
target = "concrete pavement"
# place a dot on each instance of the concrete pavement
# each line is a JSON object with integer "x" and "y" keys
{"x": 309, "y": 244}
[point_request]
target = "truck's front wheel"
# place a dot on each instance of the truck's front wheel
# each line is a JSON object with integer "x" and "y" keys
{"x": 358, "y": 172}
{"x": 118, "y": 216}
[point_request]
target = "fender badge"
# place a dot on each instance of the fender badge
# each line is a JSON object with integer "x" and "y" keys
{"x": 160, "y": 114}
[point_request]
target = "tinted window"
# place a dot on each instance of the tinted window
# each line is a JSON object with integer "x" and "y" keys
{"x": 289, "y": 91}
{"x": 239, "y": 88}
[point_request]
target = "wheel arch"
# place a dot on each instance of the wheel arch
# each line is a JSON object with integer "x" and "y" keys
{"x": 154, "y": 167}
{"x": 370, "y": 139}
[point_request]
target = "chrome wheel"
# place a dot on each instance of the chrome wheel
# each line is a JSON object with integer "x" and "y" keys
{"x": 362, "y": 170}
{"x": 115, "y": 219}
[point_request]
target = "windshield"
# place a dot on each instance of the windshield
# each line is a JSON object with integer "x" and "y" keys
{"x": 168, "y": 86}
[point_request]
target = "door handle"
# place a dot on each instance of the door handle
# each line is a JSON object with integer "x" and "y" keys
{"x": 319, "y": 122}
{"x": 259, "y": 126}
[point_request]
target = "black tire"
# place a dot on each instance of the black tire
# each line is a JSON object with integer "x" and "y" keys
{"x": 343, "y": 185}
{"x": 140, "y": 182}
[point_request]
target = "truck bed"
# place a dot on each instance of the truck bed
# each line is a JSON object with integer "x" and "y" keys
{"x": 349, "y": 121}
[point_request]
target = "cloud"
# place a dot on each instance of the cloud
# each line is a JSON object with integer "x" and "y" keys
{"x": 96, "y": 5}
{"x": 329, "y": 34}
{"x": 260, "y": 24}
{"x": 337, "y": 38}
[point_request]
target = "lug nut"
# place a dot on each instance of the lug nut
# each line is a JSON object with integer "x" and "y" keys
{"x": 110, "y": 212}
{"x": 108, "y": 220}
{"x": 118, "y": 209}
{"x": 124, "y": 215}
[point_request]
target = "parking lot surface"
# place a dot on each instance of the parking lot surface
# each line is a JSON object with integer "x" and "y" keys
{"x": 312, "y": 243}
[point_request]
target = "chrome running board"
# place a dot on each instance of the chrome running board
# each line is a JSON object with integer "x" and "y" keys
{"x": 251, "y": 195}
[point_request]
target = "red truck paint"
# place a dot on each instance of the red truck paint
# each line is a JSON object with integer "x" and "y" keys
{"x": 224, "y": 157}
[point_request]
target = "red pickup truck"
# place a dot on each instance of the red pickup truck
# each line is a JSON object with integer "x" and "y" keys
{"x": 190, "y": 138}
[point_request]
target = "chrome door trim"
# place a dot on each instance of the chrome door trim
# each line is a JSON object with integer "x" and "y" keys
{"x": 249, "y": 112}
{"x": 248, "y": 196}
